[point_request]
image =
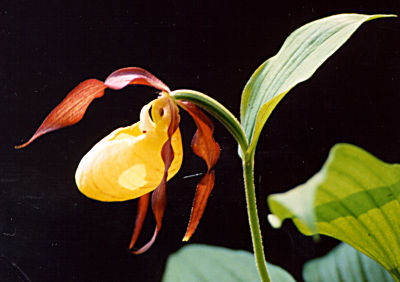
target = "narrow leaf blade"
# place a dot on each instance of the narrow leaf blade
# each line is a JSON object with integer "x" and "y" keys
{"x": 354, "y": 198}
{"x": 345, "y": 264}
{"x": 209, "y": 264}
{"x": 301, "y": 55}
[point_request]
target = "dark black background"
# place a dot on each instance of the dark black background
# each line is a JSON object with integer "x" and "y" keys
{"x": 51, "y": 232}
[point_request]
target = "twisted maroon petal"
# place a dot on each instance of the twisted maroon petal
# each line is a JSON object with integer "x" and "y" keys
{"x": 143, "y": 205}
{"x": 159, "y": 196}
{"x": 203, "y": 145}
{"x": 203, "y": 191}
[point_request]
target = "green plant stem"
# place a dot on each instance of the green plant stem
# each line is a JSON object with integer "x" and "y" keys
{"x": 248, "y": 174}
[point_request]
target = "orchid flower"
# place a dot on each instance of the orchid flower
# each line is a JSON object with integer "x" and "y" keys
{"x": 131, "y": 162}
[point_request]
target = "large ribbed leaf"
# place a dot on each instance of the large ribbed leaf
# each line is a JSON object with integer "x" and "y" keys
{"x": 300, "y": 56}
{"x": 208, "y": 264}
{"x": 353, "y": 198}
{"x": 345, "y": 264}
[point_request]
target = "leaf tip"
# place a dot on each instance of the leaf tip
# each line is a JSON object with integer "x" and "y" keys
{"x": 379, "y": 16}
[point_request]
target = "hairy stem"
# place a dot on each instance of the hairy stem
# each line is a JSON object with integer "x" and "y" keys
{"x": 248, "y": 174}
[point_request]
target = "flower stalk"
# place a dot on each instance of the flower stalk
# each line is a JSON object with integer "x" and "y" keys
{"x": 217, "y": 110}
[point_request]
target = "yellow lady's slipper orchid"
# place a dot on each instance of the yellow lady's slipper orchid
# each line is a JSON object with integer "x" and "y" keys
{"x": 133, "y": 161}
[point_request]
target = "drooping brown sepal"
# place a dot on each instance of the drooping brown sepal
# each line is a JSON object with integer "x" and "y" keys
{"x": 72, "y": 109}
{"x": 203, "y": 145}
{"x": 134, "y": 75}
{"x": 159, "y": 196}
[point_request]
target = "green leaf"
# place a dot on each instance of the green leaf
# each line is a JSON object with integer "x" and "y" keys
{"x": 207, "y": 263}
{"x": 345, "y": 264}
{"x": 300, "y": 56}
{"x": 353, "y": 198}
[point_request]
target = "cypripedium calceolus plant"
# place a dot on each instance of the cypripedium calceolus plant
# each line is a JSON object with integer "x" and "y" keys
{"x": 133, "y": 161}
